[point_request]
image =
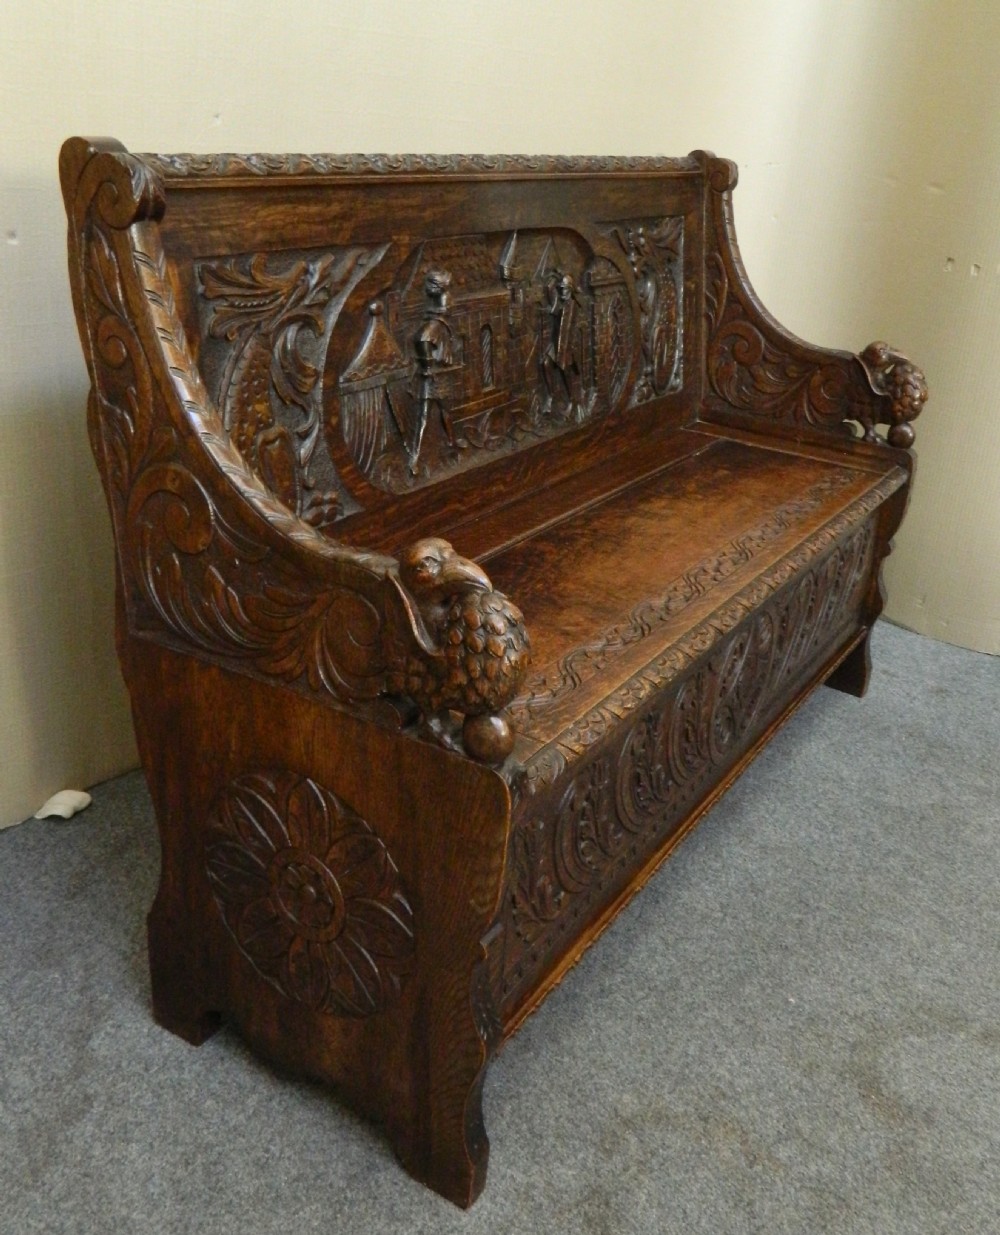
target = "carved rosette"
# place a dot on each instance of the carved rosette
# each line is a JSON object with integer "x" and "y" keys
{"x": 310, "y": 894}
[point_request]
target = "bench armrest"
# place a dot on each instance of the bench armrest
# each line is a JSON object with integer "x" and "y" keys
{"x": 761, "y": 376}
{"x": 209, "y": 560}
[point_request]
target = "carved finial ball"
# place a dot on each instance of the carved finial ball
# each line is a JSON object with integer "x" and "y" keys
{"x": 487, "y": 737}
{"x": 901, "y": 435}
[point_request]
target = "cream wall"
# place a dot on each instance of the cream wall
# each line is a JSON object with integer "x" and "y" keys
{"x": 868, "y": 135}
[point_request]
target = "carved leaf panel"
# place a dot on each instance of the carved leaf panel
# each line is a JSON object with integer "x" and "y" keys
{"x": 574, "y": 842}
{"x": 187, "y": 570}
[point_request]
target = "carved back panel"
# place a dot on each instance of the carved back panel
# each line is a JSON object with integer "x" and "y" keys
{"x": 374, "y": 329}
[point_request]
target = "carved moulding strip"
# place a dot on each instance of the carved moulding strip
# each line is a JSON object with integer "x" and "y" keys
{"x": 309, "y": 893}
{"x": 581, "y": 665}
{"x": 573, "y": 848}
{"x": 215, "y": 166}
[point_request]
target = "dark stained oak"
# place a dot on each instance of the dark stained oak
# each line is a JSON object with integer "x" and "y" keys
{"x": 475, "y": 527}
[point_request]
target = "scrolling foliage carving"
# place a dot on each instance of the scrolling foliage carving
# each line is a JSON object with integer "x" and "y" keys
{"x": 756, "y": 367}
{"x": 186, "y": 568}
{"x": 267, "y": 325}
{"x": 654, "y": 248}
{"x": 573, "y": 845}
{"x": 310, "y": 894}
{"x": 750, "y": 373}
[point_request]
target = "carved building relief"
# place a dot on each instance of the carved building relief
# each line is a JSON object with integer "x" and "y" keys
{"x": 479, "y": 344}
{"x": 486, "y": 342}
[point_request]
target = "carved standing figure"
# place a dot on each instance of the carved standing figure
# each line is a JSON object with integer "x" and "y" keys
{"x": 475, "y": 642}
{"x": 561, "y": 361}
{"x": 434, "y": 348}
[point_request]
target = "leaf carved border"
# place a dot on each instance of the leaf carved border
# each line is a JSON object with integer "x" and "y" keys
{"x": 758, "y": 369}
{"x": 576, "y": 845}
{"x": 748, "y": 372}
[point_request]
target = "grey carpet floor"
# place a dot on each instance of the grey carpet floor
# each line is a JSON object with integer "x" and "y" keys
{"x": 795, "y": 1028}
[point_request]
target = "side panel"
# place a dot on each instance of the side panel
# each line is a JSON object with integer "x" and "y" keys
{"x": 325, "y": 886}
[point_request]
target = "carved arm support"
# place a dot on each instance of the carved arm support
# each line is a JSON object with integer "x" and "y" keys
{"x": 760, "y": 374}
{"x": 210, "y": 560}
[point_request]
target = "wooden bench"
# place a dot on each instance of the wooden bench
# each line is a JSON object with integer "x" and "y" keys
{"x": 366, "y": 422}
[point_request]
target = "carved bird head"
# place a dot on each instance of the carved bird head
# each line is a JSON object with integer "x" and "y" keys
{"x": 432, "y": 571}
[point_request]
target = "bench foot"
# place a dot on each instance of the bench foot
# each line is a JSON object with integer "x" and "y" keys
{"x": 853, "y": 673}
{"x": 454, "y": 1162}
{"x": 177, "y": 1003}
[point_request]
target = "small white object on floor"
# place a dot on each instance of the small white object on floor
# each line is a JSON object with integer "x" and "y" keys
{"x": 65, "y": 803}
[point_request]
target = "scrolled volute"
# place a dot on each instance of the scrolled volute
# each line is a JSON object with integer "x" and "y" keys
{"x": 123, "y": 188}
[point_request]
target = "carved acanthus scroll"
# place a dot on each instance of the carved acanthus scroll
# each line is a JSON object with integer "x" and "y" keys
{"x": 339, "y": 622}
{"x": 756, "y": 367}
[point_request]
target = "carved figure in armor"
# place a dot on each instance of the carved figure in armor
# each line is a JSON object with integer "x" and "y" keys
{"x": 645, "y": 276}
{"x": 561, "y": 359}
{"x": 434, "y": 352}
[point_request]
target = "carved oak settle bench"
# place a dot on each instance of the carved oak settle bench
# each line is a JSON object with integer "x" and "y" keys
{"x": 347, "y": 412}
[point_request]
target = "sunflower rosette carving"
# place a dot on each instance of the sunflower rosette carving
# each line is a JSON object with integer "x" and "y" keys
{"x": 310, "y": 894}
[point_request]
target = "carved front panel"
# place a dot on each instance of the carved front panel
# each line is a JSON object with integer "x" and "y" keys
{"x": 576, "y": 844}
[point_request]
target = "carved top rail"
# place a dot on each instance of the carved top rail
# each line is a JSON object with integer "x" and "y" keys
{"x": 191, "y": 167}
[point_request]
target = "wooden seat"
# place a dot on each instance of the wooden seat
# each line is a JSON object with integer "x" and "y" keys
{"x": 475, "y": 525}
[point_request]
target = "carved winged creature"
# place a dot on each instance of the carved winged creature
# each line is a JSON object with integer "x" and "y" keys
{"x": 474, "y": 647}
{"x": 891, "y": 374}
